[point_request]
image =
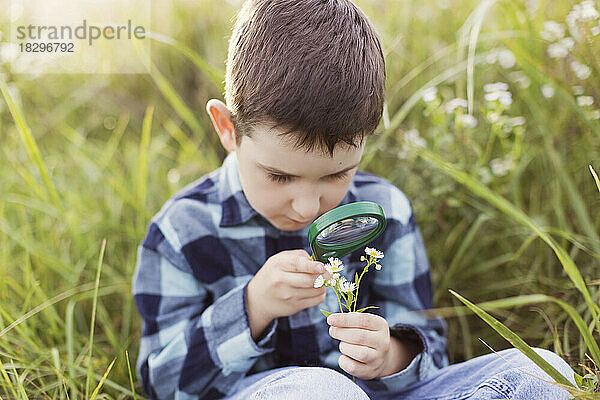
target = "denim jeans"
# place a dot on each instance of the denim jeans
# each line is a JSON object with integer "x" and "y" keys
{"x": 511, "y": 376}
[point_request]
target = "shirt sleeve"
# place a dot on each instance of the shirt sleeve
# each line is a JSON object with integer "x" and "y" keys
{"x": 195, "y": 343}
{"x": 403, "y": 287}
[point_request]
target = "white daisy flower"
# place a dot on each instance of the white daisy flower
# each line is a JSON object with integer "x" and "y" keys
{"x": 495, "y": 87}
{"x": 374, "y": 252}
{"x": 553, "y": 31}
{"x": 491, "y": 57}
{"x": 586, "y": 11}
{"x": 493, "y": 117}
{"x": 502, "y": 96}
{"x": 412, "y": 137}
{"x": 468, "y": 120}
{"x": 497, "y": 92}
{"x": 568, "y": 43}
{"x": 582, "y": 71}
{"x": 335, "y": 277}
{"x": 517, "y": 121}
{"x": 334, "y": 265}
{"x": 319, "y": 282}
{"x": 429, "y": 94}
{"x": 547, "y": 91}
{"x": 347, "y": 287}
{"x": 584, "y": 101}
{"x": 557, "y": 50}
{"x": 335, "y": 262}
{"x": 505, "y": 98}
{"x": 506, "y": 58}
{"x": 451, "y": 105}
{"x": 501, "y": 167}
{"x": 377, "y": 267}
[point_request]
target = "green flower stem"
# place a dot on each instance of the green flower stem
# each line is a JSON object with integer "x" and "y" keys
{"x": 365, "y": 269}
{"x": 345, "y": 299}
{"x": 338, "y": 297}
{"x": 336, "y": 293}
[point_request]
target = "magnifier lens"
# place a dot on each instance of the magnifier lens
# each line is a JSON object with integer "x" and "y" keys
{"x": 347, "y": 230}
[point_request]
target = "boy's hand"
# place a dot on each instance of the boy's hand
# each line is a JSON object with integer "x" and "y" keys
{"x": 365, "y": 344}
{"x": 282, "y": 287}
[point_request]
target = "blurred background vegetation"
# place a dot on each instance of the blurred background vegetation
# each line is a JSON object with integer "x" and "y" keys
{"x": 505, "y": 90}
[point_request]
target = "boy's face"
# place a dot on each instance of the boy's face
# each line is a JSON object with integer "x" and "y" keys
{"x": 290, "y": 187}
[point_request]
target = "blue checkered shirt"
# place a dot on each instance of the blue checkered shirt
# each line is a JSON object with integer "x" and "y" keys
{"x": 201, "y": 250}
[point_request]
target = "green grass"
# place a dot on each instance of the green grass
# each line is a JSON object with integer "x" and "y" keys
{"x": 92, "y": 158}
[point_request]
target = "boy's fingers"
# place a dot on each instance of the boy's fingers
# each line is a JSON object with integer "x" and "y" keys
{"x": 363, "y": 354}
{"x": 304, "y": 265}
{"x": 308, "y": 294}
{"x": 356, "y": 320}
{"x": 312, "y": 300}
{"x": 302, "y": 281}
{"x": 362, "y": 337}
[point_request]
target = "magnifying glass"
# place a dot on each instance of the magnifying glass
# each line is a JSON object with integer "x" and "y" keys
{"x": 344, "y": 229}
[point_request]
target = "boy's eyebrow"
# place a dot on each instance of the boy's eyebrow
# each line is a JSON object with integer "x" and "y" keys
{"x": 280, "y": 172}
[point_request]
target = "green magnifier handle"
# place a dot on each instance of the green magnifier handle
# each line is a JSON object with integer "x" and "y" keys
{"x": 344, "y": 229}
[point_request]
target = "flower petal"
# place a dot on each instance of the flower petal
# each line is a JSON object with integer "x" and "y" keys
{"x": 319, "y": 282}
{"x": 370, "y": 251}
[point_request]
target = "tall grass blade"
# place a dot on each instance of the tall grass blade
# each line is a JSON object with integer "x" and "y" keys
{"x": 130, "y": 374}
{"x": 216, "y": 76}
{"x": 175, "y": 100}
{"x": 505, "y": 206}
{"x": 575, "y": 198}
{"x": 19, "y": 383}
{"x": 508, "y": 302}
{"x": 7, "y": 380}
{"x": 95, "y": 392}
{"x": 113, "y": 143}
{"x": 464, "y": 246}
{"x": 142, "y": 176}
{"x": 69, "y": 333}
{"x": 583, "y": 328}
{"x": 94, "y": 305}
{"x": 403, "y": 111}
{"x": 595, "y": 177}
{"x": 170, "y": 94}
{"x": 30, "y": 144}
{"x": 109, "y": 383}
{"x": 519, "y": 301}
{"x": 516, "y": 341}
{"x": 535, "y": 70}
{"x": 46, "y": 304}
{"x": 479, "y": 15}
{"x": 35, "y": 248}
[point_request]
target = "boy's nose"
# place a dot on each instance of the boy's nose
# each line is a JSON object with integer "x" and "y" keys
{"x": 306, "y": 207}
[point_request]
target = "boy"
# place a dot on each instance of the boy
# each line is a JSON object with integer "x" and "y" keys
{"x": 224, "y": 280}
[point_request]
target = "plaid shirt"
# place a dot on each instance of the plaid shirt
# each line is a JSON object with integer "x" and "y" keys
{"x": 192, "y": 271}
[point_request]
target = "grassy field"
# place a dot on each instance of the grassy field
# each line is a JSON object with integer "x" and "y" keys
{"x": 491, "y": 122}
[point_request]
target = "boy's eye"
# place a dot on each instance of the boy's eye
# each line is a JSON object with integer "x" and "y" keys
{"x": 278, "y": 178}
{"x": 337, "y": 177}
{"x": 285, "y": 178}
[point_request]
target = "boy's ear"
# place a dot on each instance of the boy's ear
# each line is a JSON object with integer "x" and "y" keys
{"x": 221, "y": 119}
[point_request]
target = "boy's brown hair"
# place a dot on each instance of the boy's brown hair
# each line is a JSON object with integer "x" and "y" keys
{"x": 312, "y": 67}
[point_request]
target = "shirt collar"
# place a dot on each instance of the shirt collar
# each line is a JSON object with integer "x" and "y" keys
{"x": 235, "y": 207}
